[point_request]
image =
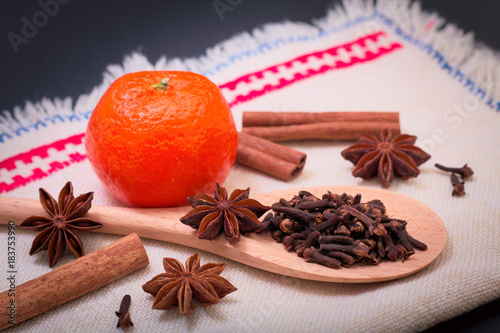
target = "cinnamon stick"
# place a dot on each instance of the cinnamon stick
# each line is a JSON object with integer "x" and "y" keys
{"x": 267, "y": 118}
{"x": 269, "y": 157}
{"x": 345, "y": 130}
{"x": 72, "y": 280}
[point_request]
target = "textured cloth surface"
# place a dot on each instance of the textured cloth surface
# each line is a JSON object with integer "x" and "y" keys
{"x": 384, "y": 58}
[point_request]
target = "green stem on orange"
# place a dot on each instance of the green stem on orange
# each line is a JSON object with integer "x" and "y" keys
{"x": 163, "y": 85}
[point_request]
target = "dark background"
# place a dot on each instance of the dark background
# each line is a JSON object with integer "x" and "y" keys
{"x": 69, "y": 53}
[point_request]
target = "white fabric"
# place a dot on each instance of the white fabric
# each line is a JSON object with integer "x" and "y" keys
{"x": 446, "y": 91}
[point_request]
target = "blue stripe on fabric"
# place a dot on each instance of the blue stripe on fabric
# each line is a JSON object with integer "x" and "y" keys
{"x": 39, "y": 124}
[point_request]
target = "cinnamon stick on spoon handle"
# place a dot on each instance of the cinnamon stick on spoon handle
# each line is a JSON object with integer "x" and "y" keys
{"x": 72, "y": 280}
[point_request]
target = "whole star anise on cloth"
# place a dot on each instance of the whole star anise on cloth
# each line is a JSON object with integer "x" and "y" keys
{"x": 178, "y": 285}
{"x": 236, "y": 214}
{"x": 65, "y": 216}
{"x": 386, "y": 157}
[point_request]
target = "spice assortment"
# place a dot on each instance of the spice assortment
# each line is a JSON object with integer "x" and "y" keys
{"x": 327, "y": 230}
{"x": 179, "y": 284}
{"x": 340, "y": 230}
{"x": 334, "y": 231}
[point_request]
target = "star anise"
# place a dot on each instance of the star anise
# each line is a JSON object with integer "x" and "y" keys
{"x": 386, "y": 157}
{"x": 236, "y": 214}
{"x": 56, "y": 230}
{"x": 178, "y": 285}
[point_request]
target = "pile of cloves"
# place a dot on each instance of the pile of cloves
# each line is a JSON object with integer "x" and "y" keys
{"x": 339, "y": 230}
{"x": 457, "y": 177}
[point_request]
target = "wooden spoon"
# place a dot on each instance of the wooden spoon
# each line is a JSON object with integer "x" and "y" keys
{"x": 260, "y": 250}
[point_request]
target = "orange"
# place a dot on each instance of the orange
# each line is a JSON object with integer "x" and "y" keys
{"x": 153, "y": 145}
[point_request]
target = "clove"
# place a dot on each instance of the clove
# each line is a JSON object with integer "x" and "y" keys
{"x": 371, "y": 243}
{"x": 339, "y": 239}
{"x": 286, "y": 226}
{"x": 391, "y": 250}
{"x": 123, "y": 314}
{"x": 278, "y": 235}
{"x": 265, "y": 223}
{"x": 458, "y": 185}
{"x": 402, "y": 252}
{"x": 294, "y": 213}
{"x": 464, "y": 171}
{"x": 376, "y": 203}
{"x": 308, "y": 242}
{"x": 342, "y": 230}
{"x": 357, "y": 227}
{"x": 307, "y": 195}
{"x": 374, "y": 226}
{"x": 356, "y": 199}
{"x": 381, "y": 247}
{"x": 289, "y": 243}
{"x": 416, "y": 243}
{"x": 331, "y": 223}
{"x": 317, "y": 204}
{"x": 372, "y": 258}
{"x": 358, "y": 249}
{"x": 371, "y": 211}
{"x": 300, "y": 235}
{"x": 285, "y": 203}
{"x": 346, "y": 259}
{"x": 311, "y": 254}
{"x": 401, "y": 234}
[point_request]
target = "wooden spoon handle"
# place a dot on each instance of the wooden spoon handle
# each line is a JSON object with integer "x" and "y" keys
{"x": 161, "y": 224}
{"x": 155, "y": 223}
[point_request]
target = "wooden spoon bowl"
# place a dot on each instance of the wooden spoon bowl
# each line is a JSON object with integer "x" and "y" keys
{"x": 260, "y": 250}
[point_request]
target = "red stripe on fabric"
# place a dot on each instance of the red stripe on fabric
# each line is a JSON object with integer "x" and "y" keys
{"x": 42, "y": 151}
{"x": 369, "y": 56}
{"x": 38, "y": 173}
